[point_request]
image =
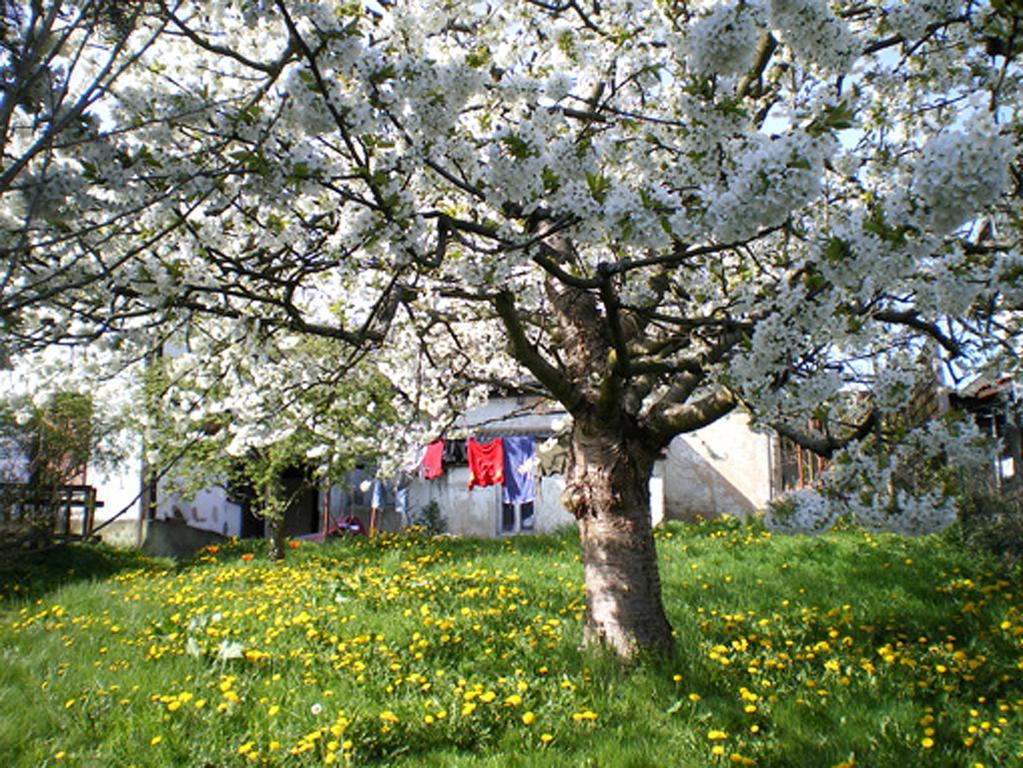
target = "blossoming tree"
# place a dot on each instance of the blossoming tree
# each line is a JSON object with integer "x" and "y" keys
{"x": 655, "y": 212}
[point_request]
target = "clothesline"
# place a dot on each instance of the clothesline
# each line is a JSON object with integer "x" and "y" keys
{"x": 508, "y": 461}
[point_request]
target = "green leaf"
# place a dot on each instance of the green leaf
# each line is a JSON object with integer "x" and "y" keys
{"x": 518, "y": 147}
{"x": 599, "y": 186}
{"x": 551, "y": 182}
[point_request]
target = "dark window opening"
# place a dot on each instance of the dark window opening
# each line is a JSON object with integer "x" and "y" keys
{"x": 518, "y": 518}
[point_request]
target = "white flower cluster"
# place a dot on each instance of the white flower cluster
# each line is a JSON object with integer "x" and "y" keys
{"x": 770, "y": 180}
{"x": 874, "y": 493}
{"x": 959, "y": 173}
{"x": 723, "y": 41}
{"x": 802, "y": 511}
{"x": 814, "y": 33}
{"x": 903, "y": 512}
{"x": 910, "y": 18}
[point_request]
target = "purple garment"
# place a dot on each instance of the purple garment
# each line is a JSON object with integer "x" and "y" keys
{"x": 519, "y": 458}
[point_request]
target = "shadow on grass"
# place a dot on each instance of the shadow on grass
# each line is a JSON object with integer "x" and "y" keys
{"x": 31, "y": 575}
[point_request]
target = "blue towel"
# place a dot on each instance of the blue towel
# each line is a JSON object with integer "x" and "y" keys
{"x": 381, "y": 495}
{"x": 519, "y": 457}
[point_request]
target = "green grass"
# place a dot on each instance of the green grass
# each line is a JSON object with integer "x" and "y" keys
{"x": 848, "y": 648}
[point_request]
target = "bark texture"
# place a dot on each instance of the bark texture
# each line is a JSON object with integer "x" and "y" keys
{"x": 608, "y": 492}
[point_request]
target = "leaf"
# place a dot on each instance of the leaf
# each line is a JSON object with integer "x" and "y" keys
{"x": 480, "y": 57}
{"x": 517, "y": 147}
{"x": 599, "y": 186}
{"x": 551, "y": 182}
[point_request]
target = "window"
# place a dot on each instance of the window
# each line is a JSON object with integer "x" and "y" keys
{"x": 517, "y": 518}
{"x": 800, "y": 467}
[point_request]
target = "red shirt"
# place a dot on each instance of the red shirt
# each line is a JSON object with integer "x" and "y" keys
{"x": 431, "y": 465}
{"x": 486, "y": 463}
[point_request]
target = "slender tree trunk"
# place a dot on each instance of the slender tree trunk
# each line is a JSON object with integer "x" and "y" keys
{"x": 276, "y": 513}
{"x": 607, "y": 489}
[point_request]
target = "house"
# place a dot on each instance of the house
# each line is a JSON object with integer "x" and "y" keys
{"x": 996, "y": 407}
{"x": 725, "y": 468}
{"x": 722, "y": 469}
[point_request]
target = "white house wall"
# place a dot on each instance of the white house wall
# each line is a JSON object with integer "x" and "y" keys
{"x": 478, "y": 512}
{"x": 724, "y": 468}
{"x": 119, "y": 489}
{"x": 516, "y": 415}
{"x": 208, "y": 511}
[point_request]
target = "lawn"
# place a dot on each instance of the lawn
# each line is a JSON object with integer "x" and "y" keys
{"x": 846, "y": 649}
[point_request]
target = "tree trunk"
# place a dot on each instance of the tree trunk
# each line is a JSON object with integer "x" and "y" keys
{"x": 607, "y": 489}
{"x": 275, "y": 512}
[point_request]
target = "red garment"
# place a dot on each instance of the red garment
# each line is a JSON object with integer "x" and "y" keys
{"x": 431, "y": 465}
{"x": 486, "y": 463}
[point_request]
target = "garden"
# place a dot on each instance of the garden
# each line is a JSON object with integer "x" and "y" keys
{"x": 849, "y": 648}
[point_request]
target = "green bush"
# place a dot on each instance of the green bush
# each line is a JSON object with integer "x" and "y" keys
{"x": 993, "y": 522}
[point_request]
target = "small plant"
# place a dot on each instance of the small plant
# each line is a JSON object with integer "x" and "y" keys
{"x": 430, "y": 518}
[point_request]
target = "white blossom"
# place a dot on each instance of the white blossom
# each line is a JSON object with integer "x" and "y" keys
{"x": 814, "y": 33}
{"x": 723, "y": 41}
{"x": 959, "y": 173}
{"x": 772, "y": 177}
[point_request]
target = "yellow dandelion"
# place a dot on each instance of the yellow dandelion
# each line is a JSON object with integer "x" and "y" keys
{"x": 528, "y": 718}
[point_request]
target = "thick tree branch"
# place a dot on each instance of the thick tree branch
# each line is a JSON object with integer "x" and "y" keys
{"x": 679, "y": 419}
{"x": 825, "y": 445}
{"x": 560, "y": 387}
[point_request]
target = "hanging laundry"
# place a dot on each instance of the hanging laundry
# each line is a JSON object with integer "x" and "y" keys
{"x": 401, "y": 505}
{"x": 455, "y": 452}
{"x": 553, "y": 456}
{"x": 519, "y": 462}
{"x": 381, "y": 496}
{"x": 432, "y": 466}
{"x": 486, "y": 463}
